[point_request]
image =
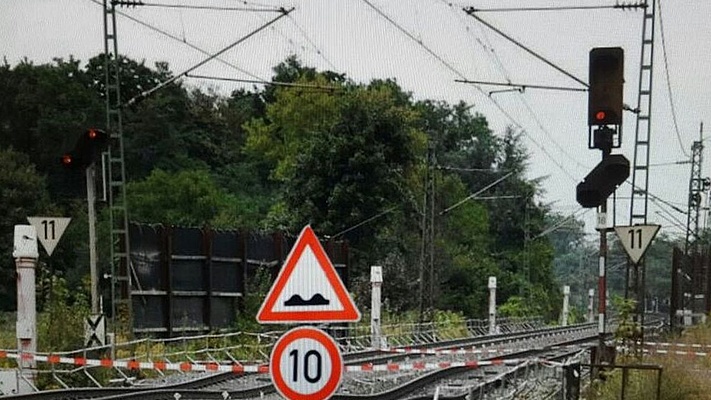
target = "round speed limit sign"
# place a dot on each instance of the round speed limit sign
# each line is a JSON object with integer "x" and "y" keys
{"x": 306, "y": 364}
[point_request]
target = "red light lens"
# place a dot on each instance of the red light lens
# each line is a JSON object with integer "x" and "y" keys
{"x": 66, "y": 159}
{"x": 92, "y": 134}
{"x": 600, "y": 115}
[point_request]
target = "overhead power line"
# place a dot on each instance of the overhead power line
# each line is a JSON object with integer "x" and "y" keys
{"x": 669, "y": 88}
{"x": 263, "y": 82}
{"x": 213, "y": 8}
{"x": 475, "y": 194}
{"x": 523, "y": 86}
{"x": 623, "y": 6}
{"x": 494, "y": 57}
{"x": 147, "y": 93}
{"x": 185, "y": 42}
{"x": 311, "y": 42}
{"x": 419, "y": 41}
{"x": 471, "y": 13}
{"x": 461, "y": 75}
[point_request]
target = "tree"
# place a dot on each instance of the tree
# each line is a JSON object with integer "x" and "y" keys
{"x": 43, "y": 110}
{"x": 187, "y": 198}
{"x": 23, "y": 193}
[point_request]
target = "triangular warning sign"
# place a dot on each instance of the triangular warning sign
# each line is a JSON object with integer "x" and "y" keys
{"x": 636, "y": 239}
{"x": 49, "y": 230}
{"x": 307, "y": 288}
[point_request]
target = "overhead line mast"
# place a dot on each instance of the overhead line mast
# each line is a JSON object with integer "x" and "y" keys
{"x": 639, "y": 201}
{"x": 121, "y": 269}
{"x": 121, "y": 303}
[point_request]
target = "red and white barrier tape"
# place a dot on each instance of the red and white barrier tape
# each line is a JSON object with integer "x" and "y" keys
{"x": 465, "y": 351}
{"x": 669, "y": 344}
{"x": 423, "y": 366}
{"x": 437, "y": 352}
{"x": 137, "y": 365}
{"x": 238, "y": 368}
{"x": 677, "y": 352}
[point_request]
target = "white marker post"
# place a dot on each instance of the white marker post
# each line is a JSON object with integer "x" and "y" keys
{"x": 376, "y": 280}
{"x": 591, "y": 303}
{"x": 566, "y": 309}
{"x": 25, "y": 254}
{"x": 492, "y": 305}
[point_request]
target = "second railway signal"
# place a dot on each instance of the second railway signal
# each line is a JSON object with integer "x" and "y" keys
{"x": 594, "y": 190}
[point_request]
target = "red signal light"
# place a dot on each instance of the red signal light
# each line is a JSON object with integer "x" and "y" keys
{"x": 92, "y": 134}
{"x": 67, "y": 159}
{"x": 600, "y": 115}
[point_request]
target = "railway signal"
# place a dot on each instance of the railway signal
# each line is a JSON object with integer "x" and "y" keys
{"x": 87, "y": 149}
{"x": 606, "y": 71}
{"x": 599, "y": 184}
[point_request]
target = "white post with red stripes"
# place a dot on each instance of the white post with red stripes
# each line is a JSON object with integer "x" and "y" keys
{"x": 492, "y": 305}
{"x": 566, "y": 308}
{"x": 25, "y": 254}
{"x": 376, "y": 280}
{"x": 602, "y": 279}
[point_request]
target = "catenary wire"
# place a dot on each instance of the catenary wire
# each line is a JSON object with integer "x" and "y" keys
{"x": 493, "y": 55}
{"x": 176, "y": 38}
{"x": 460, "y": 75}
{"x": 212, "y": 8}
{"x": 557, "y": 8}
{"x": 311, "y": 42}
{"x": 148, "y": 92}
{"x": 669, "y": 88}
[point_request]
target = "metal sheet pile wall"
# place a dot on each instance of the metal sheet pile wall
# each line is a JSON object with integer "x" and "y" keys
{"x": 194, "y": 279}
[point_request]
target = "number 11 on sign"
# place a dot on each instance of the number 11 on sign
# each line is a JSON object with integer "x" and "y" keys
{"x": 636, "y": 238}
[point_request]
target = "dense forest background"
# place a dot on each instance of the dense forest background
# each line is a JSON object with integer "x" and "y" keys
{"x": 349, "y": 158}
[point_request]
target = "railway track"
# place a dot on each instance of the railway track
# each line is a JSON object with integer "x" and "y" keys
{"x": 536, "y": 343}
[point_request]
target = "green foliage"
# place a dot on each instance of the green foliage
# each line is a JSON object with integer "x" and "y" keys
{"x": 351, "y": 159}
{"x": 61, "y": 325}
{"x": 628, "y": 331}
{"x": 23, "y": 193}
{"x": 683, "y": 377}
{"x": 188, "y": 198}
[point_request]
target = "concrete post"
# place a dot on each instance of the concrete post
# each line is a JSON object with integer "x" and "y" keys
{"x": 492, "y": 305}
{"x": 25, "y": 254}
{"x": 91, "y": 200}
{"x": 591, "y": 303}
{"x": 566, "y": 308}
{"x": 376, "y": 280}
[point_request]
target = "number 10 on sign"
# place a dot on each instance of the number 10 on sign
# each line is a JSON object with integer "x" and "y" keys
{"x": 306, "y": 364}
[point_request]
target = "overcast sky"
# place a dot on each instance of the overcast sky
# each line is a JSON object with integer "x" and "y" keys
{"x": 442, "y": 44}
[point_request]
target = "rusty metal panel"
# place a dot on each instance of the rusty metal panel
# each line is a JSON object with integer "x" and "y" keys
{"x": 187, "y": 269}
{"x": 195, "y": 280}
{"x": 223, "y": 312}
{"x": 149, "y": 313}
{"x": 146, "y": 257}
{"x": 226, "y": 263}
{"x": 188, "y": 313}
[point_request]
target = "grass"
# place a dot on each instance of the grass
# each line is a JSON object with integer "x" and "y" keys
{"x": 684, "y": 377}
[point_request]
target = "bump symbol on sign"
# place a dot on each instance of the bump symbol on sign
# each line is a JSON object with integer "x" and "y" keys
{"x": 316, "y": 300}
{"x": 307, "y": 288}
